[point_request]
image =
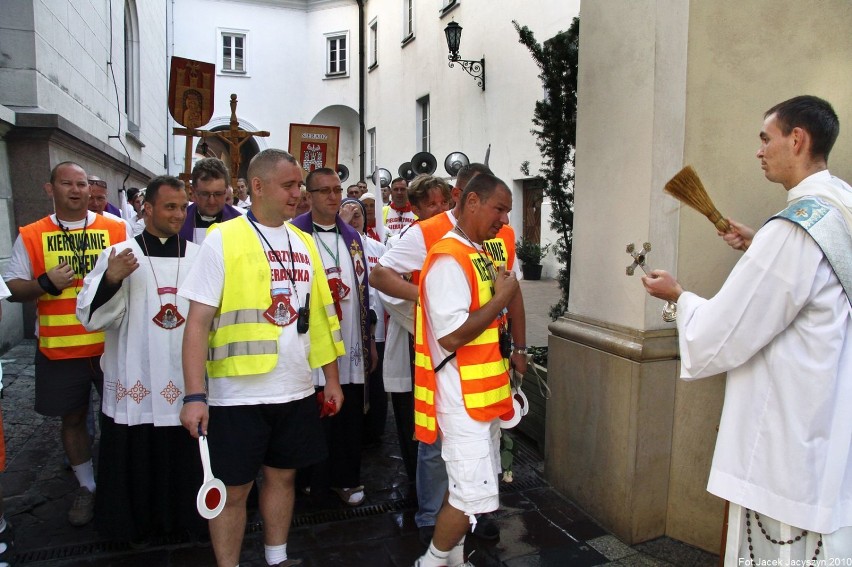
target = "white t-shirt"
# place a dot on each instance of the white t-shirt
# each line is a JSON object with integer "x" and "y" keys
{"x": 4, "y": 291}
{"x": 375, "y": 250}
{"x": 291, "y": 378}
{"x": 351, "y": 364}
{"x": 445, "y": 313}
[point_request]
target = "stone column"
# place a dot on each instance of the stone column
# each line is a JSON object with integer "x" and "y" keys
{"x": 664, "y": 83}
{"x": 609, "y": 444}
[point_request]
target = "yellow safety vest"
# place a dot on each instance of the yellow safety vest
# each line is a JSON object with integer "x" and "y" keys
{"x": 242, "y": 342}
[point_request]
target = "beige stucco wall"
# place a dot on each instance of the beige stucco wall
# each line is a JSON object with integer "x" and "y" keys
{"x": 665, "y": 83}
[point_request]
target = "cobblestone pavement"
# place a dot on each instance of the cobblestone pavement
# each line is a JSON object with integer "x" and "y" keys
{"x": 538, "y": 526}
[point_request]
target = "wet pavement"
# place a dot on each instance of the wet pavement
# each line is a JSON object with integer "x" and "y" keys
{"x": 538, "y": 527}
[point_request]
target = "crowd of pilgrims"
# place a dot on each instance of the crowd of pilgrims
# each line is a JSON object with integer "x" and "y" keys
{"x": 148, "y": 476}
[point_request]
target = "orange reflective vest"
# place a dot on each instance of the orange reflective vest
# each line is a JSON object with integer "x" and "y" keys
{"x": 483, "y": 371}
{"x": 60, "y": 334}
{"x": 501, "y": 249}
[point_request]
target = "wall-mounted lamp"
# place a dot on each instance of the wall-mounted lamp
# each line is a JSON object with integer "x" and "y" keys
{"x": 475, "y": 69}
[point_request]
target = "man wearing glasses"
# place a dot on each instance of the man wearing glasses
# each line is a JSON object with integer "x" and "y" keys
{"x": 209, "y": 189}
{"x": 342, "y": 254}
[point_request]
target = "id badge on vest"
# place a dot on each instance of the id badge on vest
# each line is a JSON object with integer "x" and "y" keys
{"x": 281, "y": 311}
{"x": 168, "y": 317}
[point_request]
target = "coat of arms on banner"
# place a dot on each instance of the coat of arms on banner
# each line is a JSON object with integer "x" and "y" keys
{"x": 191, "y": 92}
{"x": 314, "y": 146}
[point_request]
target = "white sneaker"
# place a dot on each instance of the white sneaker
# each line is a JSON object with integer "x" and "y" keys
{"x": 83, "y": 509}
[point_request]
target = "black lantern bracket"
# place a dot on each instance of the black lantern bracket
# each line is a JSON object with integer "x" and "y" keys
{"x": 475, "y": 69}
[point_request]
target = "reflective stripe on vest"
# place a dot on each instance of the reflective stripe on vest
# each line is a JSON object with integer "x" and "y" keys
{"x": 241, "y": 341}
{"x": 61, "y": 335}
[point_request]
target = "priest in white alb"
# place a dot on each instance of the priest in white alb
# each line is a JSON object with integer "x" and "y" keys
{"x": 149, "y": 469}
{"x": 781, "y": 327}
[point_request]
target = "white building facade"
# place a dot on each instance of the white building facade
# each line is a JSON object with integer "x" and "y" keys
{"x": 301, "y": 61}
{"x": 82, "y": 81}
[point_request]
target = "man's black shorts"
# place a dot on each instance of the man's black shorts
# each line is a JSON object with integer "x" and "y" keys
{"x": 282, "y": 436}
{"x": 63, "y": 386}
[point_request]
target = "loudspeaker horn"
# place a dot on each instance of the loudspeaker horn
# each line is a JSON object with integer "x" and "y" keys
{"x": 454, "y": 162}
{"x": 381, "y": 177}
{"x": 406, "y": 172}
{"x": 342, "y": 172}
{"x": 424, "y": 162}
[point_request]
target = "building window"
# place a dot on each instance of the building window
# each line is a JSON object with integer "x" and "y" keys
{"x": 447, "y": 5}
{"x": 374, "y": 44}
{"x": 337, "y": 52}
{"x": 372, "y": 134}
{"x": 234, "y": 52}
{"x": 407, "y": 20}
{"x": 131, "y": 67}
{"x": 423, "y": 129}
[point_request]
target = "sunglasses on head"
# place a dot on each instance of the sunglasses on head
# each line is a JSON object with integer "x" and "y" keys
{"x": 98, "y": 182}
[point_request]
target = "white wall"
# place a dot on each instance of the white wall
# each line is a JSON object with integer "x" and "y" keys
{"x": 59, "y": 52}
{"x": 286, "y": 78}
{"x": 463, "y": 116}
{"x": 285, "y": 82}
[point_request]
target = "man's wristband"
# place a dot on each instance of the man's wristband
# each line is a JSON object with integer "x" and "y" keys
{"x": 47, "y": 285}
{"x": 520, "y": 349}
{"x": 200, "y": 397}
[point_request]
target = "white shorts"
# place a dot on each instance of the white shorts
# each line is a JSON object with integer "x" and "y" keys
{"x": 471, "y": 451}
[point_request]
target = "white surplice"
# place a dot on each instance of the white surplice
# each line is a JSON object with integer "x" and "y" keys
{"x": 781, "y": 327}
{"x": 143, "y": 376}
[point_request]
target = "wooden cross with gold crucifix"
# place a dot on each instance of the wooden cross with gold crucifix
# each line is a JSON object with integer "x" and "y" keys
{"x": 233, "y": 137}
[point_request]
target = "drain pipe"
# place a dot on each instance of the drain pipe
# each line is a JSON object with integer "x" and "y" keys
{"x": 362, "y": 90}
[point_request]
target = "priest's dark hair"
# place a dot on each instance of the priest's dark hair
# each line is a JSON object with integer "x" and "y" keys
{"x": 209, "y": 168}
{"x": 316, "y": 172}
{"x": 812, "y": 114}
{"x": 154, "y": 186}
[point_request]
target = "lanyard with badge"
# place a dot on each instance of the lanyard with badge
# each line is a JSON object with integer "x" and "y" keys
{"x": 281, "y": 312}
{"x": 334, "y": 274}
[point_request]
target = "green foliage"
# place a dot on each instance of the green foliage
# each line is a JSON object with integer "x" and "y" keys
{"x": 555, "y": 121}
{"x": 529, "y": 252}
{"x": 539, "y": 355}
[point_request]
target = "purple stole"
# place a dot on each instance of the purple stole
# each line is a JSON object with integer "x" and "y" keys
{"x": 352, "y": 240}
{"x": 187, "y": 232}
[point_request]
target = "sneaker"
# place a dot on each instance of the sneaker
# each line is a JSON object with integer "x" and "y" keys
{"x": 351, "y": 496}
{"x": 289, "y": 563}
{"x": 83, "y": 509}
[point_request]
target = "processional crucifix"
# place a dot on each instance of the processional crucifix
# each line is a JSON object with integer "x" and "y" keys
{"x": 233, "y": 137}
{"x": 191, "y": 105}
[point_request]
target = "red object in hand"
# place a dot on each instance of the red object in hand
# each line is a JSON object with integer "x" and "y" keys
{"x": 326, "y": 407}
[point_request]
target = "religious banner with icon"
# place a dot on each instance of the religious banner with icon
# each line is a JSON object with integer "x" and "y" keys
{"x": 191, "y": 92}
{"x": 314, "y": 146}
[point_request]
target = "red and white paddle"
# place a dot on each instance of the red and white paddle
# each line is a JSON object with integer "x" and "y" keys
{"x": 212, "y": 494}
